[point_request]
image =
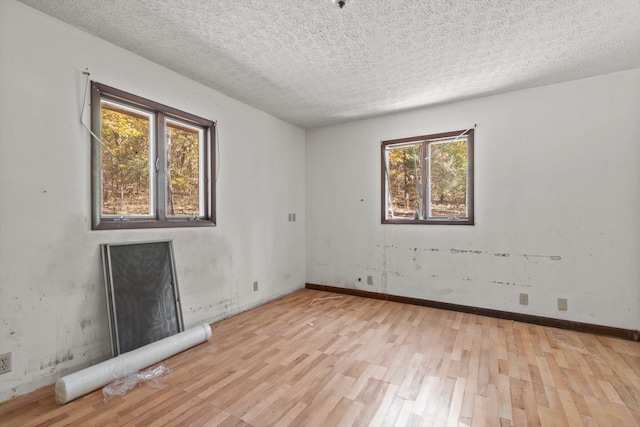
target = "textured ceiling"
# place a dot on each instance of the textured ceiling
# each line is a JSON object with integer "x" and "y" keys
{"x": 311, "y": 63}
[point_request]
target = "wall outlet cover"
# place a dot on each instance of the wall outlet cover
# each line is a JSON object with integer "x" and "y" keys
{"x": 562, "y": 304}
{"x": 524, "y": 299}
{"x": 5, "y": 363}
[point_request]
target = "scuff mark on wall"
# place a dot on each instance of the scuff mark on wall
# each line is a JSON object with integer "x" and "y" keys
{"x": 480, "y": 252}
{"x": 84, "y": 323}
{"x": 467, "y": 251}
{"x": 385, "y": 279}
{"x": 551, "y": 257}
{"x": 58, "y": 360}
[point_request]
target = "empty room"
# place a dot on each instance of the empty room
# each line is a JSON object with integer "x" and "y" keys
{"x": 320, "y": 213}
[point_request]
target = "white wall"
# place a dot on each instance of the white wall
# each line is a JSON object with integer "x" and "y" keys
{"x": 52, "y": 306}
{"x": 556, "y": 175}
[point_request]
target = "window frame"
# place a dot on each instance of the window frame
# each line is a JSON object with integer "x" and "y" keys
{"x": 424, "y": 187}
{"x": 161, "y": 113}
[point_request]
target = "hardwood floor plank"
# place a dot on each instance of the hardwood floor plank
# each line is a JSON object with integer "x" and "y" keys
{"x": 391, "y": 412}
{"x": 571, "y": 407}
{"x": 504, "y": 398}
{"x": 161, "y": 416}
{"x": 406, "y": 417}
{"x": 427, "y": 389}
{"x": 388, "y": 408}
{"x": 270, "y": 408}
{"x": 530, "y": 405}
{"x": 444, "y": 401}
{"x": 371, "y": 396}
{"x": 195, "y": 413}
{"x": 455, "y": 407}
{"x": 548, "y": 418}
{"x": 479, "y": 418}
{"x": 344, "y": 413}
{"x": 290, "y": 416}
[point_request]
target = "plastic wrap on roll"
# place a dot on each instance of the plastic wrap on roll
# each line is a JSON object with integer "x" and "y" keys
{"x": 79, "y": 383}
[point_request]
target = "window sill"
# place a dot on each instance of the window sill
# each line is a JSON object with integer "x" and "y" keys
{"x": 140, "y": 224}
{"x": 465, "y": 221}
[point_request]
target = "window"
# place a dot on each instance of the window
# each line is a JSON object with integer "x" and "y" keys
{"x": 151, "y": 164}
{"x": 428, "y": 179}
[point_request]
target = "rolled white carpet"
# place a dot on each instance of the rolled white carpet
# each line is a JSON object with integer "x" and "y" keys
{"x": 79, "y": 383}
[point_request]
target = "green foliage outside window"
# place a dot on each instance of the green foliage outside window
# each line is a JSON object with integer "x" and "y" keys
{"x": 183, "y": 148}
{"x": 126, "y": 183}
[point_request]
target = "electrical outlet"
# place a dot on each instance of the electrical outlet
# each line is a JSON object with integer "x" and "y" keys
{"x": 562, "y": 304}
{"x": 369, "y": 280}
{"x": 5, "y": 363}
{"x": 255, "y": 286}
{"x": 524, "y": 299}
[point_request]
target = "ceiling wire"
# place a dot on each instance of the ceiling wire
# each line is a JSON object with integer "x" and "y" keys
{"x": 84, "y": 103}
{"x": 217, "y": 142}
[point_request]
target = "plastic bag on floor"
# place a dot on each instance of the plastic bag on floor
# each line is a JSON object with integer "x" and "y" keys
{"x": 153, "y": 376}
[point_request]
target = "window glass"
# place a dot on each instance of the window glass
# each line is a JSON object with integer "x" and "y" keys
{"x": 405, "y": 173}
{"x": 184, "y": 189}
{"x": 126, "y": 159}
{"x": 447, "y": 163}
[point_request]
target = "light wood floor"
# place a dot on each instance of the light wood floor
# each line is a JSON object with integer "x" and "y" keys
{"x": 353, "y": 361}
